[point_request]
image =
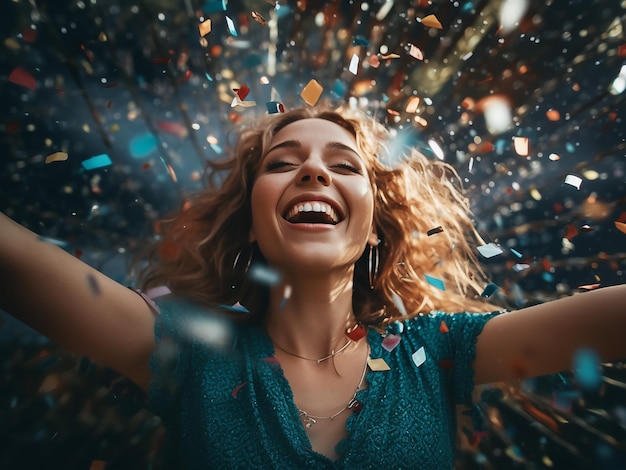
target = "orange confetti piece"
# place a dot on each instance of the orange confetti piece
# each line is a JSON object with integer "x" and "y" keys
{"x": 390, "y": 56}
{"x": 571, "y": 232}
{"x": 621, "y": 226}
{"x": 545, "y": 263}
{"x": 553, "y": 115}
{"x": 56, "y": 157}
{"x": 443, "y": 327}
{"x": 23, "y": 78}
{"x": 256, "y": 16}
{"x": 431, "y": 21}
{"x": 205, "y": 27}
{"x": 412, "y": 104}
{"x": 589, "y": 286}
{"x": 416, "y": 52}
{"x": 521, "y": 146}
{"x": 311, "y": 92}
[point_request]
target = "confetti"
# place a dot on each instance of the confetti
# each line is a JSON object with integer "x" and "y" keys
{"x": 416, "y": 52}
{"x": 56, "y": 157}
{"x": 311, "y": 92}
{"x": 620, "y": 223}
{"x": 521, "y": 146}
{"x": 589, "y": 286}
{"x": 419, "y": 356}
{"x": 435, "y": 282}
{"x": 553, "y": 115}
{"x": 354, "y": 64}
{"x": 356, "y": 333}
{"x": 570, "y": 232}
{"x": 265, "y": 275}
{"x": 489, "y": 290}
{"x": 431, "y": 21}
{"x": 390, "y": 56}
{"x": 573, "y": 180}
{"x": 274, "y": 107}
{"x": 587, "y": 371}
{"x": 384, "y": 10}
{"x": 204, "y": 28}
{"x": 374, "y": 61}
{"x": 519, "y": 267}
{"x": 242, "y": 91}
{"x": 378, "y": 365}
{"x": 397, "y": 301}
{"x": 360, "y": 41}
{"x": 231, "y": 27}
{"x": 434, "y": 231}
{"x": 516, "y": 253}
{"x": 236, "y": 390}
{"x": 490, "y": 250}
{"x": 412, "y": 104}
{"x": 443, "y": 327}
{"x": 256, "y": 16}
{"x": 98, "y": 161}
{"x": 23, "y": 78}
{"x": 390, "y": 342}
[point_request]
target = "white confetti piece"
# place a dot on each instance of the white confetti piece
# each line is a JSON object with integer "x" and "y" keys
{"x": 354, "y": 64}
{"x": 489, "y": 250}
{"x": 419, "y": 356}
{"x": 397, "y": 301}
{"x": 573, "y": 180}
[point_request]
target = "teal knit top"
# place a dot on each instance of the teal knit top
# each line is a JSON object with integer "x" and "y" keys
{"x": 226, "y": 403}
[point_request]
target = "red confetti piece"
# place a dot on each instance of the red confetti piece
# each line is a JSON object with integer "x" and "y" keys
{"x": 571, "y": 232}
{"x": 29, "y": 35}
{"x": 356, "y": 333}
{"x": 374, "y": 61}
{"x": 23, "y": 78}
{"x": 443, "y": 328}
{"x": 545, "y": 263}
{"x": 621, "y": 50}
{"x": 174, "y": 128}
{"x": 390, "y": 342}
{"x": 238, "y": 388}
{"x": 242, "y": 92}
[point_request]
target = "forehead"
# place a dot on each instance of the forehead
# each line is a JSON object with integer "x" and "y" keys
{"x": 314, "y": 130}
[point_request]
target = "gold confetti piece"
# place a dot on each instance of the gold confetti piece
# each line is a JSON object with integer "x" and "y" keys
{"x": 56, "y": 157}
{"x": 378, "y": 365}
{"x": 416, "y": 52}
{"x": 412, "y": 104}
{"x": 521, "y": 146}
{"x": 312, "y": 92}
{"x": 256, "y": 16}
{"x": 204, "y": 27}
{"x": 390, "y": 56}
{"x": 431, "y": 21}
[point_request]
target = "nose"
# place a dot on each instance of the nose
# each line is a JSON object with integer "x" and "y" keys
{"x": 314, "y": 172}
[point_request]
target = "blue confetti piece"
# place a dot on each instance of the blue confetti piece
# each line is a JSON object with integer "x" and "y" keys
{"x": 143, "y": 145}
{"x": 99, "y": 161}
{"x": 516, "y": 253}
{"x": 490, "y": 289}
{"x": 274, "y": 107}
{"x": 234, "y": 308}
{"x": 547, "y": 277}
{"x": 339, "y": 88}
{"x": 587, "y": 369}
{"x": 360, "y": 41}
{"x": 433, "y": 281}
{"x": 208, "y": 76}
{"x": 231, "y": 27}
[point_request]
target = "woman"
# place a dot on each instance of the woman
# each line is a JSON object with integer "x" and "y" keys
{"x": 337, "y": 259}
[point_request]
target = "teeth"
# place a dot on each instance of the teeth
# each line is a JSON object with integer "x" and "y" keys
{"x": 313, "y": 206}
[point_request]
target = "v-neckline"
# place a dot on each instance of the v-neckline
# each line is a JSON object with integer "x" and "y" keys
{"x": 293, "y": 422}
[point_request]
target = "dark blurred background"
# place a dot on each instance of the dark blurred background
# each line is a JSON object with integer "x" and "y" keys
{"x": 110, "y": 110}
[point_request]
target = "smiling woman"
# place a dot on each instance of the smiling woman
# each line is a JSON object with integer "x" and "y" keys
{"x": 300, "y": 314}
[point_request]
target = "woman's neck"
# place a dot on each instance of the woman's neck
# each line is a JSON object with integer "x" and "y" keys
{"x": 313, "y": 320}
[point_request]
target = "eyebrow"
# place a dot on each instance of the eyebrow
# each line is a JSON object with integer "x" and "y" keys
{"x": 298, "y": 144}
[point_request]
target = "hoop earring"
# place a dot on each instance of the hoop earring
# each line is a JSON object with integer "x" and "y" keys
{"x": 245, "y": 269}
{"x": 373, "y": 264}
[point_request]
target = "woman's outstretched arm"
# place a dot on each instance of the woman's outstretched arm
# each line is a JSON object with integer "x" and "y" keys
{"x": 73, "y": 304}
{"x": 543, "y": 339}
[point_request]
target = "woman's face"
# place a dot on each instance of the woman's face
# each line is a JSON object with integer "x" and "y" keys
{"x": 312, "y": 200}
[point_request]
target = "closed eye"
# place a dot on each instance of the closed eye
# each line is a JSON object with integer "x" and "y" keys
{"x": 277, "y": 165}
{"x": 348, "y": 166}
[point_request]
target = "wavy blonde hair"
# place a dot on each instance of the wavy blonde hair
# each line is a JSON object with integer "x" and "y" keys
{"x": 203, "y": 248}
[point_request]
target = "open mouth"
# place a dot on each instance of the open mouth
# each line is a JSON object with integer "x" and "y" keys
{"x": 313, "y": 212}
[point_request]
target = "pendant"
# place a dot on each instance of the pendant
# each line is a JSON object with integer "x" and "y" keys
{"x": 307, "y": 420}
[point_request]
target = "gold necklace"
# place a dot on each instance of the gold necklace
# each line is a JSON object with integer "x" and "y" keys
{"x": 333, "y": 353}
{"x": 353, "y": 404}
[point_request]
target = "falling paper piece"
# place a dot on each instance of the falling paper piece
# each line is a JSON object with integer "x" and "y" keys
{"x": 516, "y": 253}
{"x": 587, "y": 369}
{"x": 242, "y": 91}
{"x": 374, "y": 61}
{"x": 412, "y": 104}
{"x": 589, "y": 286}
{"x": 553, "y": 115}
{"x": 243, "y": 104}
{"x": 311, "y": 92}
{"x": 56, "y": 157}
{"x": 378, "y": 365}
{"x": 416, "y": 52}
{"x": 489, "y": 250}
{"x": 354, "y": 64}
{"x": 360, "y": 41}
{"x": 571, "y": 232}
{"x": 431, "y": 21}
{"x": 573, "y": 180}
{"x": 434, "y": 231}
{"x": 231, "y": 27}
{"x": 256, "y": 16}
{"x": 518, "y": 267}
{"x": 204, "y": 27}
{"x": 419, "y": 356}
{"x": 489, "y": 290}
{"x": 23, "y": 78}
{"x": 384, "y": 10}
{"x": 98, "y": 161}
{"x": 274, "y": 107}
{"x": 390, "y": 342}
{"x": 264, "y": 275}
{"x": 390, "y": 56}
{"x": 521, "y": 146}
{"x": 397, "y": 301}
{"x": 433, "y": 281}
{"x": 443, "y": 327}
